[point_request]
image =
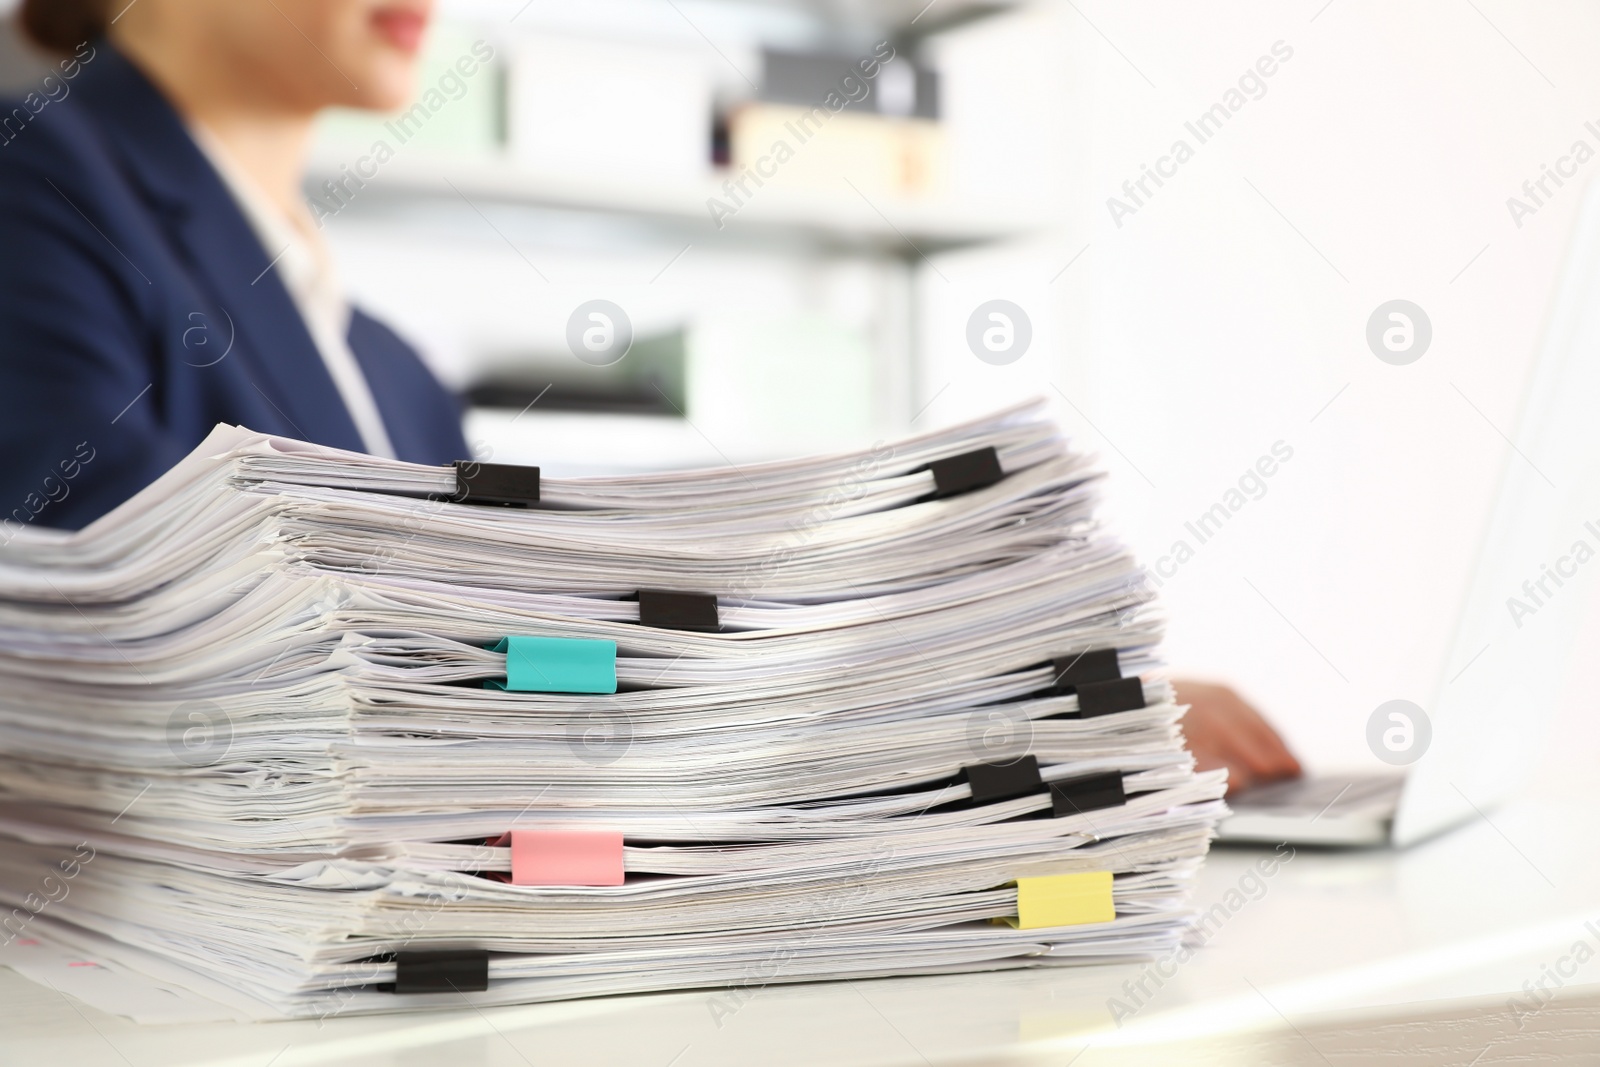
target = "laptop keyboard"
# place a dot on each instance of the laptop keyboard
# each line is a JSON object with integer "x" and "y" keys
{"x": 1331, "y": 796}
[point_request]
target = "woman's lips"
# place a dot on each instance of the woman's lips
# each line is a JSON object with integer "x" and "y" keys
{"x": 400, "y": 27}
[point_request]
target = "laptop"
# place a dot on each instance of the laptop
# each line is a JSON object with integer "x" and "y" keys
{"x": 1515, "y": 629}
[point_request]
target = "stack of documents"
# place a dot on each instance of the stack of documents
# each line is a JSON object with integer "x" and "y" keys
{"x": 297, "y": 731}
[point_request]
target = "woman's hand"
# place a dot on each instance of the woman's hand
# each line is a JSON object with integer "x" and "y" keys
{"x": 1224, "y": 731}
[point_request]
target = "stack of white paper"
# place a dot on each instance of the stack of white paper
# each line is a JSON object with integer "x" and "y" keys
{"x": 248, "y": 751}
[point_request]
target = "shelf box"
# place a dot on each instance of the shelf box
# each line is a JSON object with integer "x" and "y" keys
{"x": 591, "y": 108}
{"x": 794, "y": 146}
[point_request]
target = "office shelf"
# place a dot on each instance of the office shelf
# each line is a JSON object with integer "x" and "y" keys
{"x": 905, "y": 19}
{"x": 845, "y": 218}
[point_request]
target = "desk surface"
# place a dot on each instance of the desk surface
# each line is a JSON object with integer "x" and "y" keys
{"x": 1333, "y": 958}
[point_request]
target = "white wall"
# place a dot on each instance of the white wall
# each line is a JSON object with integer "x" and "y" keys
{"x": 1227, "y": 313}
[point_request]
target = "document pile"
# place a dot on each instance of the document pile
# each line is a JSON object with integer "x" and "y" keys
{"x": 298, "y": 731}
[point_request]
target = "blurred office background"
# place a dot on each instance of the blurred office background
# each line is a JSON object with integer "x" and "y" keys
{"x": 1364, "y": 152}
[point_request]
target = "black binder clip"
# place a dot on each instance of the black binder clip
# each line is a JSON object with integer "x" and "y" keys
{"x": 1103, "y": 698}
{"x": 678, "y": 611}
{"x": 441, "y": 971}
{"x": 1002, "y": 781}
{"x": 1095, "y": 665}
{"x": 963, "y": 473}
{"x": 496, "y": 483}
{"x": 1092, "y": 792}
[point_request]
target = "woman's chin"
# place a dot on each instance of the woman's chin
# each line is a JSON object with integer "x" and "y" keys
{"x": 386, "y": 90}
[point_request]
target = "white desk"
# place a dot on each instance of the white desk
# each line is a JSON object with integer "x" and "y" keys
{"x": 1344, "y": 958}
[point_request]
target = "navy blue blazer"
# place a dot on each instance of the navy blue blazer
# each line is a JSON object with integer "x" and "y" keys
{"x": 138, "y": 310}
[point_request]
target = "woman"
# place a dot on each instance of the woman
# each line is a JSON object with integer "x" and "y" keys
{"x": 161, "y": 272}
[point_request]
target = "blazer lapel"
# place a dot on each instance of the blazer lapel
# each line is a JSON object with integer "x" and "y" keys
{"x": 287, "y": 369}
{"x": 225, "y": 256}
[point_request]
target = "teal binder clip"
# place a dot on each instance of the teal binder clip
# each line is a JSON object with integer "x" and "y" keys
{"x": 557, "y": 665}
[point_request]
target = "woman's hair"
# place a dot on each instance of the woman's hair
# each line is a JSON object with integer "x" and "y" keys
{"x": 62, "y": 25}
